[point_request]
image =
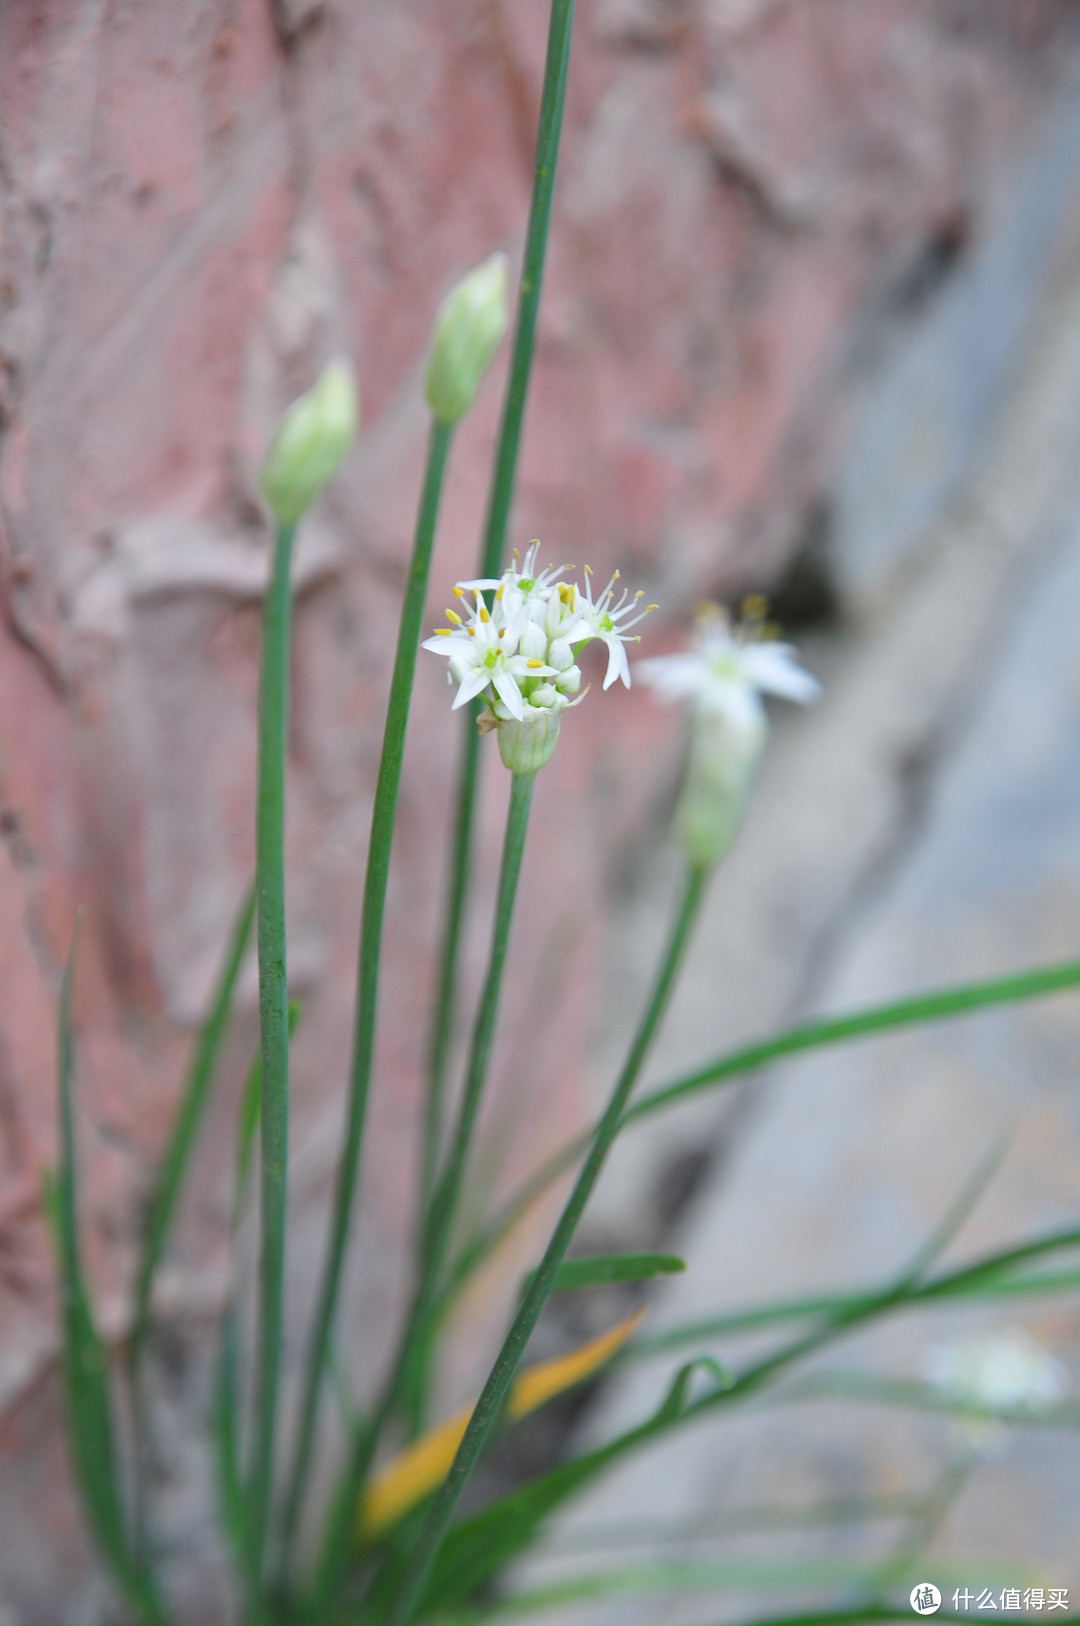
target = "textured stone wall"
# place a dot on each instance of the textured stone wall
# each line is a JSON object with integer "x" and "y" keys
{"x": 200, "y": 202}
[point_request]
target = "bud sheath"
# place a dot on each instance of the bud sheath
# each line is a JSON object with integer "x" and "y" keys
{"x": 311, "y": 441}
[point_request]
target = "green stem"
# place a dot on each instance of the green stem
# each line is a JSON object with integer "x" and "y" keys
{"x": 442, "y": 1028}
{"x": 412, "y": 1343}
{"x": 273, "y": 1031}
{"x": 497, "y": 1386}
{"x": 552, "y": 103}
{"x": 367, "y": 989}
{"x": 441, "y": 1214}
{"x": 553, "y": 98}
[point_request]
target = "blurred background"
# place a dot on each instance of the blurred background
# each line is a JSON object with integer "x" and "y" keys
{"x": 811, "y": 326}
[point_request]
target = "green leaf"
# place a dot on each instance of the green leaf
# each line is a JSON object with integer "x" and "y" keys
{"x": 878, "y": 1019}
{"x": 933, "y": 1007}
{"x": 994, "y": 1276}
{"x": 601, "y": 1269}
{"x": 226, "y": 1408}
{"x": 635, "y": 1580}
{"x": 90, "y": 1429}
{"x": 479, "y": 1546}
{"x": 185, "y": 1126}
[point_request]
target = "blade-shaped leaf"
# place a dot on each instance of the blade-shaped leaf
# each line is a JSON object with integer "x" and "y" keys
{"x": 603, "y": 1269}
{"x": 227, "y": 1393}
{"x": 727, "y": 1068}
{"x": 90, "y": 1428}
{"x": 996, "y": 1275}
{"x": 479, "y": 1546}
{"x": 189, "y": 1115}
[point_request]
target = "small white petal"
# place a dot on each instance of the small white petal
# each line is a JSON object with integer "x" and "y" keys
{"x": 772, "y": 667}
{"x": 472, "y": 684}
{"x": 509, "y": 693}
{"x": 618, "y": 666}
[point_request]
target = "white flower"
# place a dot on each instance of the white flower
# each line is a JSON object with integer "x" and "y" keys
{"x": 483, "y": 652}
{"x": 728, "y": 669}
{"x": 521, "y": 654}
{"x": 724, "y": 675}
{"x": 600, "y": 619}
{"x": 1005, "y": 1371}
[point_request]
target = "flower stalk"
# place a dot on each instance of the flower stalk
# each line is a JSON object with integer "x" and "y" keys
{"x": 552, "y": 103}
{"x": 367, "y": 987}
{"x": 408, "y": 1366}
{"x": 497, "y": 1387}
{"x": 443, "y": 1207}
{"x": 273, "y": 1031}
{"x": 313, "y": 438}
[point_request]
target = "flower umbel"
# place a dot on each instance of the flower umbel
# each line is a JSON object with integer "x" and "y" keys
{"x": 521, "y": 655}
{"x": 723, "y": 675}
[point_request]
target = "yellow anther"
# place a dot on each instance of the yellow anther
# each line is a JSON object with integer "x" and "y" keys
{"x": 499, "y": 590}
{"x": 484, "y": 616}
{"x": 652, "y": 606}
{"x": 754, "y": 607}
{"x": 443, "y": 632}
{"x": 459, "y": 592}
{"x": 586, "y": 569}
{"x": 706, "y": 610}
{"x": 471, "y": 631}
{"x": 452, "y": 615}
{"x": 534, "y": 664}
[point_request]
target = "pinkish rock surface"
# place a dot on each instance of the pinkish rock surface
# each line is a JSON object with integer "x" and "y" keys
{"x": 199, "y": 204}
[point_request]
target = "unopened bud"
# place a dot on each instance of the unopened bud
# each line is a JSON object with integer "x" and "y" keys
{"x": 312, "y": 439}
{"x": 724, "y": 754}
{"x": 472, "y": 319}
{"x": 526, "y": 746}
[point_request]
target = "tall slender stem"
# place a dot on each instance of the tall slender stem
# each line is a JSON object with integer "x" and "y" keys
{"x": 273, "y": 1029}
{"x": 497, "y": 1386}
{"x": 552, "y": 102}
{"x": 441, "y": 1213}
{"x": 442, "y": 1027}
{"x": 440, "y": 1218}
{"x": 367, "y": 989}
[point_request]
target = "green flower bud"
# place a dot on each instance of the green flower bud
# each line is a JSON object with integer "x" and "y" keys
{"x": 311, "y": 441}
{"x": 472, "y": 319}
{"x": 526, "y": 746}
{"x": 724, "y": 755}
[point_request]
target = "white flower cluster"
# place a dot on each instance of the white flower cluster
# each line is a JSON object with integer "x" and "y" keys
{"x": 723, "y": 676}
{"x": 521, "y": 655}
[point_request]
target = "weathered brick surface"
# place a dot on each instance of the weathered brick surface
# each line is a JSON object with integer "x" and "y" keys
{"x": 201, "y": 201}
